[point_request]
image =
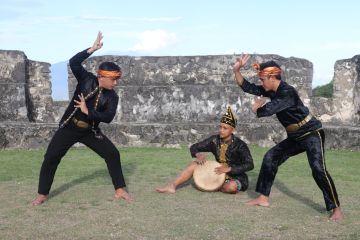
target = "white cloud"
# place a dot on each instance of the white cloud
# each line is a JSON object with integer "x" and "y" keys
{"x": 341, "y": 46}
{"x": 152, "y": 40}
{"x": 160, "y": 19}
{"x": 230, "y": 51}
{"x": 142, "y": 19}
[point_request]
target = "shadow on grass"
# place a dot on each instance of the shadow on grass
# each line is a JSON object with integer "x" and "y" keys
{"x": 127, "y": 169}
{"x": 285, "y": 190}
{"x": 77, "y": 181}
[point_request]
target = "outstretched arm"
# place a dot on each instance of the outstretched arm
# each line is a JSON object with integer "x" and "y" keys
{"x": 75, "y": 62}
{"x": 240, "y": 62}
{"x": 197, "y": 149}
{"x": 284, "y": 100}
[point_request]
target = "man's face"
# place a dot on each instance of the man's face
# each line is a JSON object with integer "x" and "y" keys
{"x": 107, "y": 82}
{"x": 225, "y": 130}
{"x": 266, "y": 82}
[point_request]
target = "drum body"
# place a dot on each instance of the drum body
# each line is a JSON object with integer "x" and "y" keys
{"x": 205, "y": 177}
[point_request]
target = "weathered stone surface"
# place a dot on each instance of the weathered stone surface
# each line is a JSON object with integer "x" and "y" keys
{"x": 190, "y": 88}
{"x": 27, "y": 135}
{"x": 346, "y": 98}
{"x": 12, "y": 68}
{"x": 13, "y": 104}
{"x": 40, "y": 105}
{"x": 191, "y": 104}
{"x": 37, "y": 135}
{"x": 59, "y": 109}
{"x": 167, "y": 101}
{"x": 342, "y": 137}
{"x": 3, "y": 141}
{"x": 26, "y": 89}
{"x": 322, "y": 108}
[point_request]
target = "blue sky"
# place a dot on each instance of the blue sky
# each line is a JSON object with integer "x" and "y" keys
{"x": 53, "y": 31}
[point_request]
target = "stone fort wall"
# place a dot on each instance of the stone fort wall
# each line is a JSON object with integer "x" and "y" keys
{"x": 174, "y": 100}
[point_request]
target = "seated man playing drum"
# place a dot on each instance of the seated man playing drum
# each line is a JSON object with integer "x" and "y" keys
{"x": 232, "y": 153}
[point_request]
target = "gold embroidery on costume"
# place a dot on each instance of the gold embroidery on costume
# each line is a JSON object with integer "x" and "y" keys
{"x": 223, "y": 148}
{"x": 76, "y": 109}
{"x": 96, "y": 104}
{"x": 222, "y": 157}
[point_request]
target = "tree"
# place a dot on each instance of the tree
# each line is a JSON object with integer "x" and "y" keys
{"x": 324, "y": 90}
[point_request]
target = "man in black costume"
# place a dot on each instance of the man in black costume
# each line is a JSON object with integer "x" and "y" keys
{"x": 304, "y": 131}
{"x": 94, "y": 101}
{"x": 229, "y": 150}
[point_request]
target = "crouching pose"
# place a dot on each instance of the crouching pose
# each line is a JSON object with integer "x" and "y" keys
{"x": 94, "y": 101}
{"x": 304, "y": 131}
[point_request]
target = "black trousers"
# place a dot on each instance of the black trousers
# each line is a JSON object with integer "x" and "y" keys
{"x": 313, "y": 145}
{"x": 63, "y": 139}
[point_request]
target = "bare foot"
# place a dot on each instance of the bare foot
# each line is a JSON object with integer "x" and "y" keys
{"x": 121, "y": 193}
{"x": 336, "y": 215}
{"x": 170, "y": 188}
{"x": 261, "y": 200}
{"x": 40, "y": 199}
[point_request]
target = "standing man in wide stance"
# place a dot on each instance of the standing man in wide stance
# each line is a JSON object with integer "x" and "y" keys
{"x": 229, "y": 150}
{"x": 94, "y": 101}
{"x": 303, "y": 130}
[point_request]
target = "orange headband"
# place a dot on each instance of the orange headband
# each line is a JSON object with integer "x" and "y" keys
{"x": 269, "y": 71}
{"x": 109, "y": 74}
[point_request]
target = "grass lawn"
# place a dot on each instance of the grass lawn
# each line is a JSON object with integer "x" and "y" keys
{"x": 81, "y": 204}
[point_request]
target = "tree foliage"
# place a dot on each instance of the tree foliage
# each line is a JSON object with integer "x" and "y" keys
{"x": 324, "y": 90}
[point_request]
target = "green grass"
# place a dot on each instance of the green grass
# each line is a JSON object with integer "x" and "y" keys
{"x": 81, "y": 204}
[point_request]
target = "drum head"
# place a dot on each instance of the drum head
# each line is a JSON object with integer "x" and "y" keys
{"x": 205, "y": 177}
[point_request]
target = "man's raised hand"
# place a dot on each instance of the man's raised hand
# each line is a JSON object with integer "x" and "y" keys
{"x": 240, "y": 62}
{"x": 97, "y": 44}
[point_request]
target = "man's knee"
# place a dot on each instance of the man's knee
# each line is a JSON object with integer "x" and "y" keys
{"x": 267, "y": 163}
{"x": 191, "y": 167}
{"x": 114, "y": 154}
{"x": 229, "y": 187}
{"x": 269, "y": 155}
{"x": 52, "y": 158}
{"x": 317, "y": 170}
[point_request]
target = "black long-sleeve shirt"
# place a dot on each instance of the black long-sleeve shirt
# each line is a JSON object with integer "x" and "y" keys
{"x": 286, "y": 104}
{"x": 87, "y": 82}
{"x": 238, "y": 156}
